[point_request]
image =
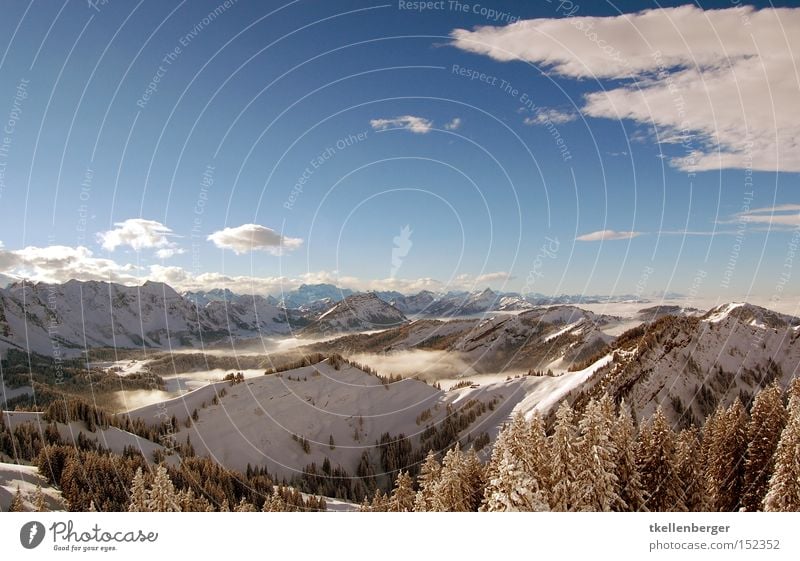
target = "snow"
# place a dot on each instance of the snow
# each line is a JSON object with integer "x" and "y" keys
{"x": 555, "y": 388}
{"x": 360, "y": 312}
{"x": 69, "y": 317}
{"x": 26, "y": 478}
{"x": 560, "y": 332}
{"x": 723, "y": 312}
{"x": 112, "y": 438}
{"x": 123, "y": 367}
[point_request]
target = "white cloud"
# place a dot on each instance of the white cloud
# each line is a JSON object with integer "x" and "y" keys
{"x": 61, "y": 263}
{"x": 550, "y": 116}
{"x": 728, "y": 77}
{"x": 168, "y": 252}
{"x": 607, "y": 235}
{"x": 453, "y": 125}
{"x": 781, "y": 217}
{"x": 58, "y": 264}
{"x": 417, "y": 125}
{"x": 139, "y": 234}
{"x": 183, "y": 280}
{"x": 249, "y": 237}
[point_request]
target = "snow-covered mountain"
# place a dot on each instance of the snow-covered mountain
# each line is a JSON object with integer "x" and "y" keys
{"x": 689, "y": 364}
{"x": 413, "y": 304}
{"x": 307, "y": 294}
{"x": 535, "y": 339}
{"x": 67, "y": 318}
{"x": 203, "y": 298}
{"x": 359, "y": 312}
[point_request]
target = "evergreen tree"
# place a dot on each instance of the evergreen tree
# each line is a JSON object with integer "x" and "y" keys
{"x": 767, "y": 420}
{"x": 474, "y": 476}
{"x": 365, "y": 506}
{"x": 631, "y": 490}
{"x": 596, "y": 480}
{"x": 138, "y": 495}
{"x": 40, "y": 503}
{"x": 658, "y": 466}
{"x": 380, "y": 502}
{"x": 725, "y": 465}
{"x": 563, "y": 461}
{"x": 244, "y": 506}
{"x": 451, "y": 492}
{"x": 510, "y": 485}
{"x": 274, "y": 502}
{"x": 402, "y": 499}
{"x": 690, "y": 472}
{"x": 162, "y": 496}
{"x": 428, "y": 476}
{"x": 17, "y": 504}
{"x": 783, "y": 492}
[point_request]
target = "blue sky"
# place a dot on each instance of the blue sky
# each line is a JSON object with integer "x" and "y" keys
{"x": 522, "y": 156}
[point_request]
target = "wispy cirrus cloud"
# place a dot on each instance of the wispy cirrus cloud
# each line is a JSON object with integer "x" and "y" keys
{"x": 782, "y": 217}
{"x": 607, "y": 235}
{"x": 254, "y": 237}
{"x": 411, "y": 123}
{"x": 724, "y": 79}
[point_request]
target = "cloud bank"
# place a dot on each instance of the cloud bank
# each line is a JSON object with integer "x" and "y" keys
{"x": 725, "y": 80}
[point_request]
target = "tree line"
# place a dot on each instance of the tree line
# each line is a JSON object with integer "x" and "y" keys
{"x": 599, "y": 460}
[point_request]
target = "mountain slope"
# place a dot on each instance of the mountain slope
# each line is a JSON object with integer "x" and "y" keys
{"x": 66, "y": 318}
{"x": 688, "y": 365}
{"x": 534, "y": 339}
{"x": 359, "y": 312}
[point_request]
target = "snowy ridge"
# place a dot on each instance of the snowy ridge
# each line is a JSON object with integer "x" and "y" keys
{"x": 360, "y": 312}
{"x": 66, "y": 318}
{"x": 688, "y": 365}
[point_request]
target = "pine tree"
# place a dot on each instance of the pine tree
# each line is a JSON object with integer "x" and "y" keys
{"x": 380, "y": 502}
{"x": 631, "y": 490}
{"x": 783, "y": 492}
{"x": 244, "y": 506}
{"x": 162, "y": 496}
{"x": 725, "y": 465}
{"x": 596, "y": 479}
{"x": 451, "y": 492}
{"x": 428, "y": 476}
{"x": 563, "y": 461}
{"x": 474, "y": 476}
{"x": 690, "y": 472}
{"x": 539, "y": 454}
{"x": 17, "y": 503}
{"x": 767, "y": 420}
{"x": 658, "y": 466}
{"x": 40, "y": 503}
{"x": 138, "y": 496}
{"x": 510, "y": 489}
{"x": 274, "y": 502}
{"x": 793, "y": 394}
{"x": 365, "y": 506}
{"x": 402, "y": 499}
